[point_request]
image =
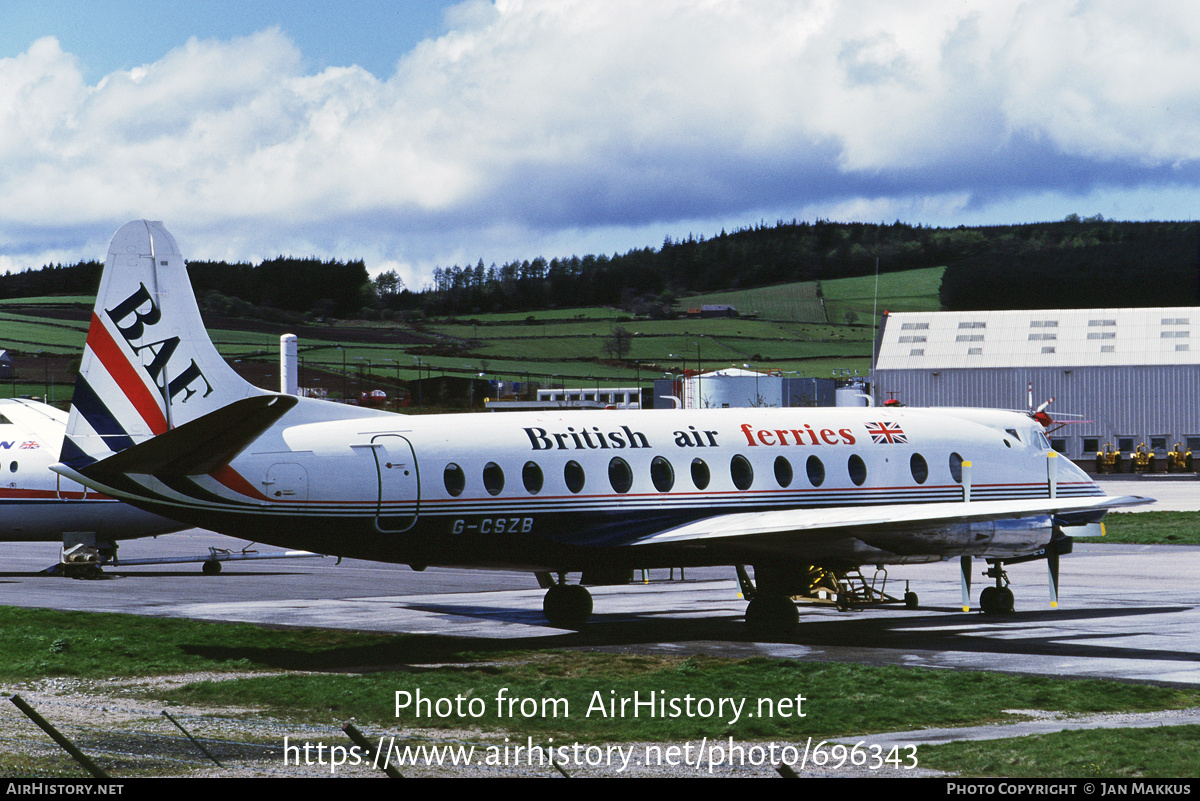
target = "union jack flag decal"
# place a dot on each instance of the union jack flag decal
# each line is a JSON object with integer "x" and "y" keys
{"x": 886, "y": 433}
{"x": 28, "y": 446}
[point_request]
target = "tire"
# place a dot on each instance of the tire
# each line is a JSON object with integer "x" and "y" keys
{"x": 772, "y": 616}
{"x": 567, "y": 606}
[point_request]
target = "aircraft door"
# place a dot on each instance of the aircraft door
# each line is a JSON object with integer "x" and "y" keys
{"x": 286, "y": 483}
{"x": 399, "y": 488}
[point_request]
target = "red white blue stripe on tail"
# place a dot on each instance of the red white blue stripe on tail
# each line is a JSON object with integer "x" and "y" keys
{"x": 149, "y": 365}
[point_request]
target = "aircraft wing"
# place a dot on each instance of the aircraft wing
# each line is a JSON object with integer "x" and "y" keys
{"x": 796, "y": 521}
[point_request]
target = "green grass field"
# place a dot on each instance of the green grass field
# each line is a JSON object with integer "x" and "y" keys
{"x": 1150, "y": 528}
{"x": 320, "y": 678}
{"x": 798, "y": 302}
{"x": 910, "y": 290}
{"x": 563, "y": 347}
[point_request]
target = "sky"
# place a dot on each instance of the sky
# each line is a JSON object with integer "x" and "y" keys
{"x": 421, "y": 134}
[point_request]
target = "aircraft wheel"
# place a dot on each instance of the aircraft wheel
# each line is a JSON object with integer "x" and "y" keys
{"x": 910, "y": 600}
{"x": 567, "y": 606}
{"x": 770, "y": 615}
{"x": 996, "y": 600}
{"x": 211, "y": 568}
{"x": 988, "y": 601}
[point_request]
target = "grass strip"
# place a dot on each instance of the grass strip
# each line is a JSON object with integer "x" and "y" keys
{"x": 1161, "y": 752}
{"x": 1150, "y": 528}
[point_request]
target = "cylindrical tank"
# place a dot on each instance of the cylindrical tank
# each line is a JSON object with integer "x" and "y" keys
{"x": 289, "y": 365}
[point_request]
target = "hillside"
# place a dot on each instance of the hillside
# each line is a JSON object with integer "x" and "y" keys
{"x": 550, "y": 348}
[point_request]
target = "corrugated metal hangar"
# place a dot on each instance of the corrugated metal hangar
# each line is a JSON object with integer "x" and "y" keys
{"x": 1129, "y": 375}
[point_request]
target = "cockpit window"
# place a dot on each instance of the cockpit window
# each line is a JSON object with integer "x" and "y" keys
{"x": 1013, "y": 433}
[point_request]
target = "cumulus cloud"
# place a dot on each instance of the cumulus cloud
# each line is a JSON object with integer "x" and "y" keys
{"x": 537, "y": 117}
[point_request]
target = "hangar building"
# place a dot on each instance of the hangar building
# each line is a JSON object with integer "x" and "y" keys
{"x": 1129, "y": 375}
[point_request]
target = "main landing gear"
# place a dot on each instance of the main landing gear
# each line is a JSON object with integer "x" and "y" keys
{"x": 775, "y": 591}
{"x": 567, "y": 606}
{"x": 771, "y": 614}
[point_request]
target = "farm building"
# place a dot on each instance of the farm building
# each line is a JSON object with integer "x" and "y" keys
{"x": 1117, "y": 376}
{"x": 713, "y": 310}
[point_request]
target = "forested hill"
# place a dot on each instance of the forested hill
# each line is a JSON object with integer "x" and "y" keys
{"x": 1075, "y": 263}
{"x": 1079, "y": 265}
{"x": 299, "y": 286}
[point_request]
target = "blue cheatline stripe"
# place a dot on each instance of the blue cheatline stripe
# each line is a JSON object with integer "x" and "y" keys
{"x": 102, "y": 421}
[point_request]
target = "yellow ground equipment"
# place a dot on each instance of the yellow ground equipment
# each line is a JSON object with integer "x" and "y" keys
{"x": 1142, "y": 460}
{"x": 1179, "y": 460}
{"x": 1108, "y": 460}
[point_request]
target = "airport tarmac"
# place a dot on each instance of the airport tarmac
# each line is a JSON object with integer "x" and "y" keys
{"x": 1125, "y": 611}
{"x": 1177, "y": 493}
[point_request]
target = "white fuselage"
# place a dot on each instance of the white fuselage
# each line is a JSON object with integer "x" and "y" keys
{"x": 545, "y": 490}
{"x": 39, "y": 504}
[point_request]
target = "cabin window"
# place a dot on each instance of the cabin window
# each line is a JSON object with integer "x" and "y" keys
{"x": 573, "y": 475}
{"x": 857, "y": 469}
{"x": 619, "y": 474}
{"x": 783, "y": 471}
{"x": 493, "y": 478}
{"x": 741, "y": 472}
{"x": 12, "y": 467}
{"x": 816, "y": 471}
{"x": 455, "y": 480}
{"x": 956, "y": 463}
{"x": 919, "y": 468}
{"x": 662, "y": 474}
{"x": 531, "y": 475}
{"x": 700, "y": 474}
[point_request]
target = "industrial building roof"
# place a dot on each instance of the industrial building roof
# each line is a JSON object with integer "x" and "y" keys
{"x": 1039, "y": 338}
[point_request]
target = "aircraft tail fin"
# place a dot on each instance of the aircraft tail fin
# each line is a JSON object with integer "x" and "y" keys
{"x": 149, "y": 365}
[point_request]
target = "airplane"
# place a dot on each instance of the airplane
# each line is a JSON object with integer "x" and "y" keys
{"x": 37, "y": 504}
{"x": 161, "y": 421}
